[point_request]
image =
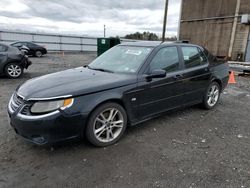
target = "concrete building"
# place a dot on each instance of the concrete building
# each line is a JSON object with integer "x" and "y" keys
{"x": 222, "y": 26}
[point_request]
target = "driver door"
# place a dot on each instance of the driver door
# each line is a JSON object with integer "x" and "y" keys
{"x": 162, "y": 94}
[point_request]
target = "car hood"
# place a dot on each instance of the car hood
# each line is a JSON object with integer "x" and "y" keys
{"x": 73, "y": 82}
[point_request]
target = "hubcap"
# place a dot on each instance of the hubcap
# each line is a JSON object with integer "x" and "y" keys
{"x": 14, "y": 70}
{"x": 108, "y": 125}
{"x": 213, "y": 95}
{"x": 38, "y": 54}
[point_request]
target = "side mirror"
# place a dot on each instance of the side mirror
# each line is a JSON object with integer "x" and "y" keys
{"x": 157, "y": 74}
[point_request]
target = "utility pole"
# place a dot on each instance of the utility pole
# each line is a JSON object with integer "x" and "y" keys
{"x": 165, "y": 21}
{"x": 179, "y": 23}
{"x": 237, "y": 9}
{"x": 104, "y": 31}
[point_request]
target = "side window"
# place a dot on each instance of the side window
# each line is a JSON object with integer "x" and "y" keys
{"x": 203, "y": 56}
{"x": 3, "y": 48}
{"x": 167, "y": 59}
{"x": 17, "y": 44}
{"x": 192, "y": 56}
{"x": 24, "y": 44}
{"x": 30, "y": 45}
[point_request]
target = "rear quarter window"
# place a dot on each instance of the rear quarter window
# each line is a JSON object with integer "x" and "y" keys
{"x": 193, "y": 56}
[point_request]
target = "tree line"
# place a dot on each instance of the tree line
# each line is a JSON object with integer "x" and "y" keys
{"x": 147, "y": 36}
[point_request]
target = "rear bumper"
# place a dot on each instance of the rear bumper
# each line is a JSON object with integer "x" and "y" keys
{"x": 26, "y": 62}
{"x": 44, "y": 51}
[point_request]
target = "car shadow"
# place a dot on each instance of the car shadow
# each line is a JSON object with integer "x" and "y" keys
{"x": 69, "y": 145}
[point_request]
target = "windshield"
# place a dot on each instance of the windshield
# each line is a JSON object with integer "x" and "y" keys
{"x": 123, "y": 59}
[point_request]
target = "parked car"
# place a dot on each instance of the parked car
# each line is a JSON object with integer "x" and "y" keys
{"x": 12, "y": 61}
{"x": 128, "y": 84}
{"x": 34, "y": 49}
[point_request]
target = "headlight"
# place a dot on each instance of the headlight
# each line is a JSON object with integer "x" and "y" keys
{"x": 49, "y": 106}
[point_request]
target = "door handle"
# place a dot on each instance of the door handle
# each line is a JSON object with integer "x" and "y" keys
{"x": 178, "y": 76}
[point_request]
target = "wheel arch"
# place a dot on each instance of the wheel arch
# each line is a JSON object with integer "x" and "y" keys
{"x": 114, "y": 100}
{"x": 218, "y": 81}
{"x": 9, "y": 62}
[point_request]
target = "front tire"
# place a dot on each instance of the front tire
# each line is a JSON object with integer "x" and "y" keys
{"x": 13, "y": 70}
{"x": 212, "y": 96}
{"x": 106, "y": 124}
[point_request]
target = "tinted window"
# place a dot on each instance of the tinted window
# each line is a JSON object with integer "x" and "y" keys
{"x": 192, "y": 56}
{"x": 166, "y": 59}
{"x": 3, "y": 48}
{"x": 203, "y": 56}
{"x": 123, "y": 59}
{"x": 31, "y": 45}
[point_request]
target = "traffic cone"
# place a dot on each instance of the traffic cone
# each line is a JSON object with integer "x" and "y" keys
{"x": 231, "y": 78}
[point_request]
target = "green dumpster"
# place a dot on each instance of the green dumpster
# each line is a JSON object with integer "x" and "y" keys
{"x": 103, "y": 44}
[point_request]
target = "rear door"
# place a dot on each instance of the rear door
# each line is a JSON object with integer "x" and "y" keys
{"x": 161, "y": 94}
{"x": 196, "y": 74}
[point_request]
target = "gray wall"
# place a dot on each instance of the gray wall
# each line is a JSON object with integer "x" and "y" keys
{"x": 53, "y": 42}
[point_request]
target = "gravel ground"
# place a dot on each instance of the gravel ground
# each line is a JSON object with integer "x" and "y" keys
{"x": 186, "y": 148}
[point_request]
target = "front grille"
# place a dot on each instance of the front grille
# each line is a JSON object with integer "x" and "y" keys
{"x": 16, "y": 102}
{"x": 25, "y": 110}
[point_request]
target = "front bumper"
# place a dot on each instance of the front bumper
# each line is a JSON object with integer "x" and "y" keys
{"x": 47, "y": 129}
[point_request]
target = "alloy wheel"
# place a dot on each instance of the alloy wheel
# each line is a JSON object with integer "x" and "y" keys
{"x": 14, "y": 70}
{"x": 213, "y": 95}
{"x": 108, "y": 125}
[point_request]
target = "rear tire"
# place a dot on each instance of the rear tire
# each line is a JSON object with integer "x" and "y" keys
{"x": 106, "y": 125}
{"x": 38, "y": 53}
{"x": 13, "y": 70}
{"x": 211, "y": 96}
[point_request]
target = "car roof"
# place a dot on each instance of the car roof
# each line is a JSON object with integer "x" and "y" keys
{"x": 156, "y": 43}
{"x": 22, "y": 42}
{"x": 142, "y": 43}
{"x": 3, "y": 44}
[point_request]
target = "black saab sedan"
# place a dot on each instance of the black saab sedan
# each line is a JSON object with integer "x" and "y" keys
{"x": 126, "y": 85}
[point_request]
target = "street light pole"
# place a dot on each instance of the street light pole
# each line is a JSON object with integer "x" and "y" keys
{"x": 165, "y": 21}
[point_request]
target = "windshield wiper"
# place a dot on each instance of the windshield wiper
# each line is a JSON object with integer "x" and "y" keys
{"x": 99, "y": 69}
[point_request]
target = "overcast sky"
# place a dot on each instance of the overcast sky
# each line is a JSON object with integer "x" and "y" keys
{"x": 87, "y": 17}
